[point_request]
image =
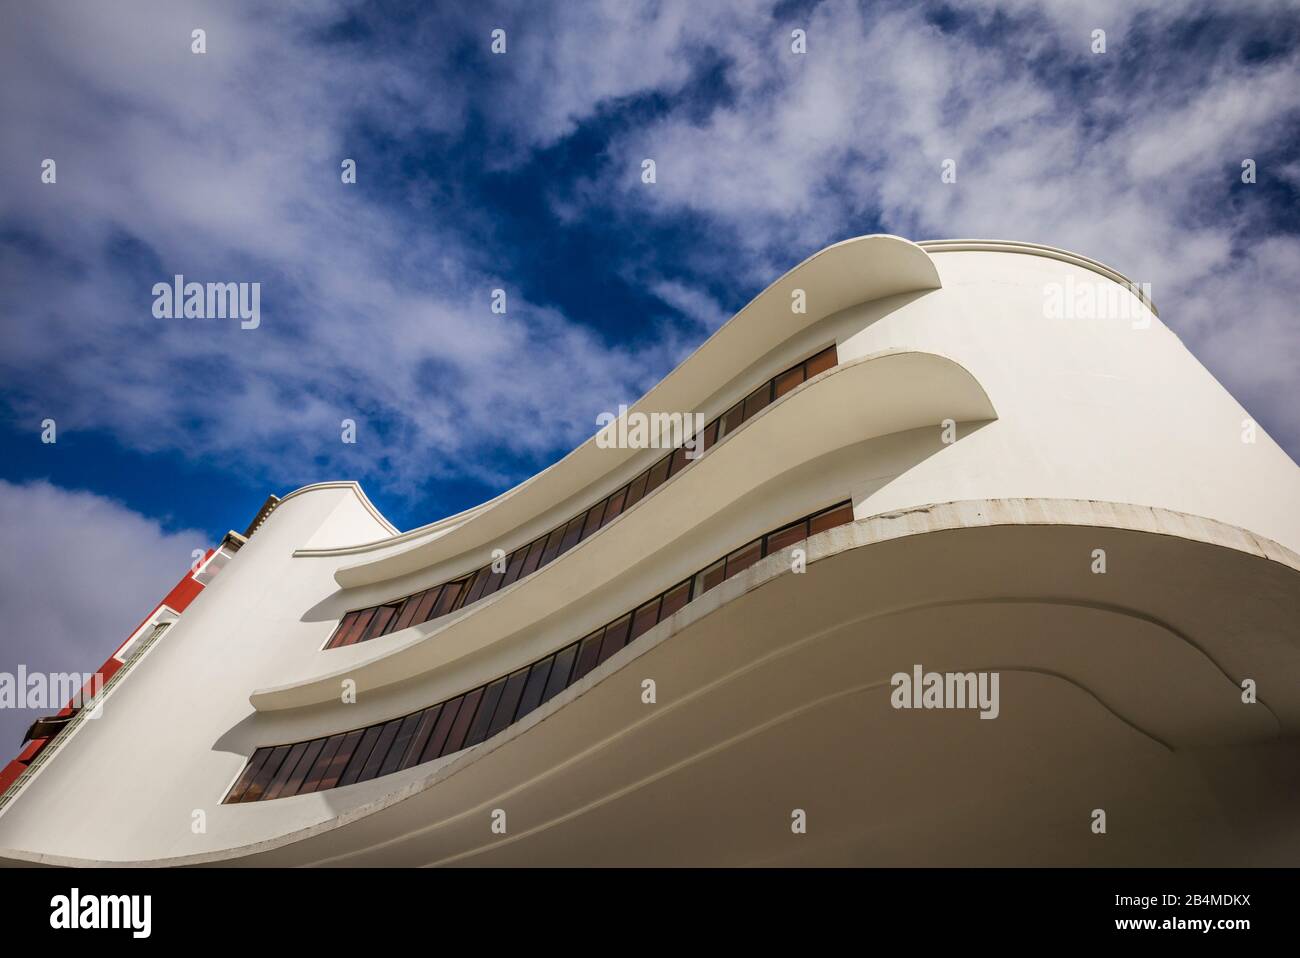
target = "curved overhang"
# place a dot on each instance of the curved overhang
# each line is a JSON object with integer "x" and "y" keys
{"x": 854, "y": 271}
{"x": 874, "y": 396}
{"x": 1122, "y": 689}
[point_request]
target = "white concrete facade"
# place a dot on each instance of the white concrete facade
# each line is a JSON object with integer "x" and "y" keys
{"x": 1071, "y": 435}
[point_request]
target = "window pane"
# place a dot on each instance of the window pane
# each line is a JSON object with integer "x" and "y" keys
{"x": 423, "y": 732}
{"x": 635, "y": 490}
{"x": 276, "y": 786}
{"x": 358, "y": 627}
{"x": 407, "y": 615}
{"x": 710, "y": 577}
{"x": 405, "y": 732}
{"x": 266, "y": 773}
{"x": 592, "y": 522}
{"x": 674, "y": 599}
{"x": 483, "y": 717}
{"x": 494, "y": 578}
{"x": 571, "y": 533}
{"x": 787, "y": 537}
{"x": 441, "y": 731}
{"x": 534, "y": 557}
{"x": 744, "y": 557}
{"x": 552, "y": 548}
{"x": 710, "y": 436}
{"x": 339, "y": 762}
{"x": 787, "y": 381}
{"x": 536, "y": 685}
{"x": 384, "y": 617}
{"x": 364, "y": 747}
{"x": 644, "y": 620}
{"x": 428, "y": 602}
{"x": 615, "y": 638}
{"x": 447, "y": 600}
{"x": 677, "y": 462}
{"x": 515, "y": 565}
{"x": 614, "y": 507}
{"x": 759, "y": 398}
{"x": 835, "y": 516}
{"x": 732, "y": 418}
{"x": 822, "y": 361}
{"x": 375, "y": 760}
{"x": 323, "y": 761}
{"x": 561, "y": 671}
{"x": 510, "y": 695}
{"x": 657, "y": 474}
{"x": 477, "y": 586}
{"x": 344, "y": 625}
{"x": 588, "y": 655}
{"x": 255, "y": 763}
{"x": 464, "y": 715}
{"x": 305, "y": 766}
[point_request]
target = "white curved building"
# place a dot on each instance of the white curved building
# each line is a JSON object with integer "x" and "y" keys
{"x": 969, "y": 458}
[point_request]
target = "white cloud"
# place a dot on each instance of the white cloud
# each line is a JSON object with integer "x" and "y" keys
{"x": 77, "y": 575}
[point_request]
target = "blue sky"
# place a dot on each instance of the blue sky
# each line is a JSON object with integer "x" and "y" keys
{"x": 522, "y": 171}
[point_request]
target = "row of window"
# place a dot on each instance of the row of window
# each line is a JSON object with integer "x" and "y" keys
{"x": 366, "y": 753}
{"x": 365, "y": 624}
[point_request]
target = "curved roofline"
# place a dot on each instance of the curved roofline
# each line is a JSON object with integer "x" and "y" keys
{"x": 1038, "y": 249}
{"x": 865, "y": 286}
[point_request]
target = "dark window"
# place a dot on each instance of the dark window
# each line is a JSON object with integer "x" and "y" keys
{"x": 534, "y": 557}
{"x": 428, "y": 720}
{"x": 479, "y": 584}
{"x": 756, "y": 400}
{"x": 483, "y": 717}
{"x": 835, "y": 516}
{"x": 358, "y": 627}
{"x": 588, "y": 654}
{"x": 787, "y": 381}
{"x": 407, "y": 615}
{"x": 536, "y": 685}
{"x": 674, "y": 599}
{"x": 615, "y": 637}
{"x": 731, "y": 420}
{"x": 358, "y": 761}
{"x": 441, "y": 731}
{"x": 559, "y": 679}
{"x": 552, "y": 545}
{"x": 347, "y": 622}
{"x": 405, "y": 732}
{"x": 658, "y": 474}
{"x": 339, "y": 761}
{"x": 495, "y": 578}
{"x": 592, "y": 522}
{"x": 447, "y": 600}
{"x": 821, "y": 362}
{"x": 677, "y": 461}
{"x": 254, "y": 766}
{"x": 267, "y": 772}
{"x": 644, "y": 620}
{"x": 276, "y": 785}
{"x": 384, "y": 617}
{"x": 614, "y": 507}
{"x": 710, "y": 437}
{"x": 383, "y": 744}
{"x": 744, "y": 557}
{"x": 515, "y": 565}
{"x": 784, "y": 538}
{"x": 305, "y": 766}
{"x": 635, "y": 490}
{"x": 711, "y": 577}
{"x": 424, "y": 609}
{"x": 571, "y": 533}
{"x": 322, "y": 763}
{"x": 510, "y": 695}
{"x": 456, "y": 739}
